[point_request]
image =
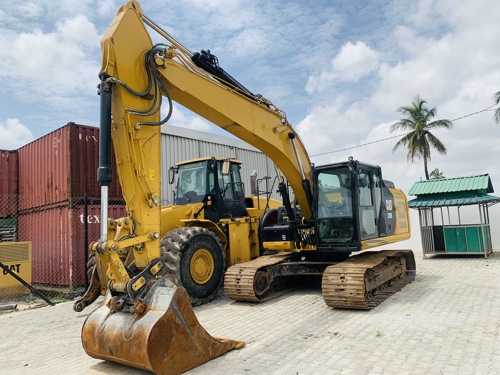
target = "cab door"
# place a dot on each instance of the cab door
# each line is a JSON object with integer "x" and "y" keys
{"x": 370, "y": 198}
{"x": 231, "y": 190}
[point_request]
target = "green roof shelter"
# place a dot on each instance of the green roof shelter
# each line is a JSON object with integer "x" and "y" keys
{"x": 442, "y": 225}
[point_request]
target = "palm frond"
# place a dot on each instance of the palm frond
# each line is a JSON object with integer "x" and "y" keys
{"x": 436, "y": 174}
{"x": 436, "y": 143}
{"x": 497, "y": 111}
{"x": 447, "y": 124}
{"x": 404, "y": 125}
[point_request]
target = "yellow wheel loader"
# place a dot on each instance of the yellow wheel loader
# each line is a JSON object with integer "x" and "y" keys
{"x": 157, "y": 262}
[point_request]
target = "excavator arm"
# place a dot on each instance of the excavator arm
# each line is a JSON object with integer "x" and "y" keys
{"x": 145, "y": 320}
{"x": 129, "y": 119}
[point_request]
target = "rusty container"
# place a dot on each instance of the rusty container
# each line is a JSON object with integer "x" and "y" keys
{"x": 59, "y": 241}
{"x": 60, "y": 168}
{"x": 8, "y": 183}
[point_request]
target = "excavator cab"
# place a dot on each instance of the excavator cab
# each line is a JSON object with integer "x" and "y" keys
{"x": 353, "y": 204}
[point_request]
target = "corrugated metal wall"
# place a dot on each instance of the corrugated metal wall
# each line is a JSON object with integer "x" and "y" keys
{"x": 179, "y": 144}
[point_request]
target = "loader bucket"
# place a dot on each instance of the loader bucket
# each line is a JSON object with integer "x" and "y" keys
{"x": 166, "y": 339}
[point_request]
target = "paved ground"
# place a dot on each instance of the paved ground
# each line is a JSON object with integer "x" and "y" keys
{"x": 446, "y": 322}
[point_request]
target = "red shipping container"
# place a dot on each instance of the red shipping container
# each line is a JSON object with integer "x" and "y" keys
{"x": 58, "y": 242}
{"x": 8, "y": 183}
{"x": 59, "y": 168}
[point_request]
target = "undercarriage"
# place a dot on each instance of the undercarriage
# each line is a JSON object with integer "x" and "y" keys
{"x": 361, "y": 282}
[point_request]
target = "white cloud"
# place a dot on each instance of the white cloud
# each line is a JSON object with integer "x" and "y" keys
{"x": 216, "y": 4}
{"x": 249, "y": 42}
{"x": 49, "y": 67}
{"x": 30, "y": 10}
{"x": 353, "y": 62}
{"x": 107, "y": 7}
{"x": 329, "y": 127}
{"x": 186, "y": 119}
{"x": 14, "y": 134}
{"x": 79, "y": 30}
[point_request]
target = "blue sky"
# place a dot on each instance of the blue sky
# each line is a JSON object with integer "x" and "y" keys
{"x": 339, "y": 69}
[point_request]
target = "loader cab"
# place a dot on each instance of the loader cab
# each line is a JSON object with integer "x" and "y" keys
{"x": 214, "y": 181}
{"x": 347, "y": 205}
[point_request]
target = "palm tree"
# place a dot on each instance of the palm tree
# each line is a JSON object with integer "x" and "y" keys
{"x": 418, "y": 125}
{"x": 497, "y": 111}
{"x": 436, "y": 174}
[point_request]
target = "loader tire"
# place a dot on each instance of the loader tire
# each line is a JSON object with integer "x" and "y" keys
{"x": 194, "y": 259}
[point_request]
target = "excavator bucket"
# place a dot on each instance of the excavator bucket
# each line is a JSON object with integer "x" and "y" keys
{"x": 166, "y": 339}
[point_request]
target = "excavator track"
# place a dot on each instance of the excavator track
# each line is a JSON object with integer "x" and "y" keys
{"x": 253, "y": 281}
{"x": 364, "y": 281}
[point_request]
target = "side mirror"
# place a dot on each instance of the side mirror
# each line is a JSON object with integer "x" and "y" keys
{"x": 171, "y": 175}
{"x": 345, "y": 180}
{"x": 363, "y": 180}
{"x": 225, "y": 167}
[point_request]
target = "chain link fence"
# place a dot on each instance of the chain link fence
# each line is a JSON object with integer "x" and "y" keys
{"x": 44, "y": 249}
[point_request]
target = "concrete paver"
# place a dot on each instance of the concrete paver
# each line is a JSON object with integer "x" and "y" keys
{"x": 446, "y": 322}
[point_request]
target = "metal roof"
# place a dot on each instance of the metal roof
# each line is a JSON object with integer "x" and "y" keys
{"x": 478, "y": 183}
{"x": 463, "y": 198}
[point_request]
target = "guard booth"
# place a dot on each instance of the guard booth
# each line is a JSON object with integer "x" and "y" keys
{"x": 454, "y": 216}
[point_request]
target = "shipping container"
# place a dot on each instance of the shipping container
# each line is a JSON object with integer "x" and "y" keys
{"x": 59, "y": 168}
{"x": 58, "y": 241}
{"x": 8, "y": 183}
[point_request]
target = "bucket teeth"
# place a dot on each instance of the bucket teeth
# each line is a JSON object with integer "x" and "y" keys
{"x": 166, "y": 339}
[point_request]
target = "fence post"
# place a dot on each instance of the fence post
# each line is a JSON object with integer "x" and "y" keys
{"x": 86, "y": 237}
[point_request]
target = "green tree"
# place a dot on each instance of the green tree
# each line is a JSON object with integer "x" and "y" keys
{"x": 436, "y": 174}
{"x": 497, "y": 111}
{"x": 418, "y": 125}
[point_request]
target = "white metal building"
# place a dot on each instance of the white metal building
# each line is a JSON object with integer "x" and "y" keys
{"x": 179, "y": 144}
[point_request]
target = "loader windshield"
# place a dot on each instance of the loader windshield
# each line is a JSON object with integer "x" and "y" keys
{"x": 191, "y": 182}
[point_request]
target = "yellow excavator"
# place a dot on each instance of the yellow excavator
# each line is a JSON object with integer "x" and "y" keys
{"x": 157, "y": 262}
